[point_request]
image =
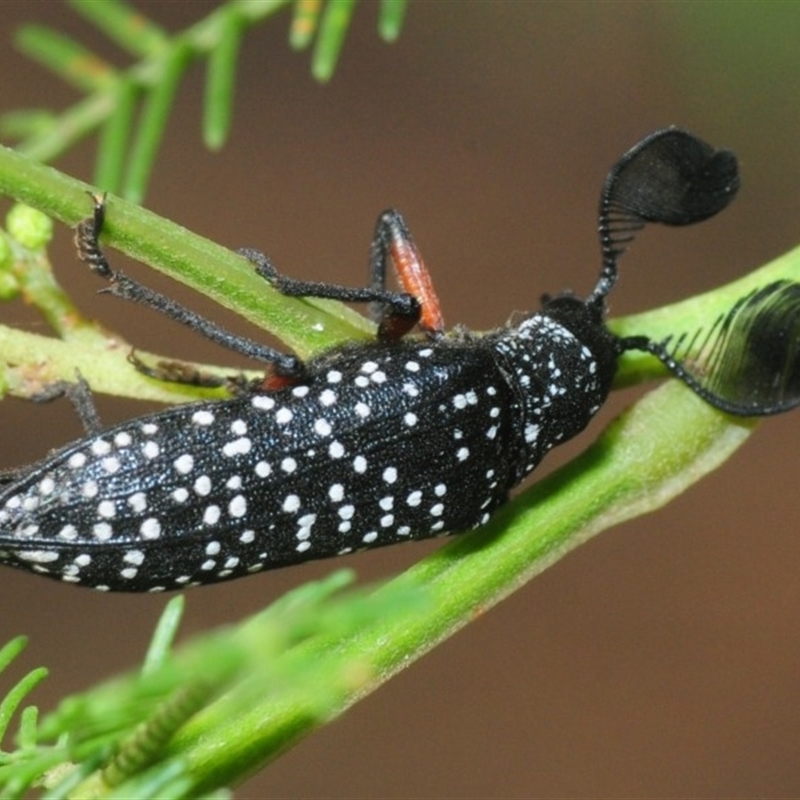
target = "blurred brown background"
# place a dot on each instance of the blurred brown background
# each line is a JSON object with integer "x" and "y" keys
{"x": 661, "y": 659}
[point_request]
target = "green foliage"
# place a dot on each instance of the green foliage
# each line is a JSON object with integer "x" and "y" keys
{"x": 116, "y": 97}
{"x": 114, "y": 740}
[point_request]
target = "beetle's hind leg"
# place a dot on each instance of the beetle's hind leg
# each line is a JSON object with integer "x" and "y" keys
{"x": 87, "y": 233}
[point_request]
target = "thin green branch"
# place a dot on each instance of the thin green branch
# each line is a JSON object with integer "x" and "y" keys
{"x": 129, "y": 28}
{"x": 305, "y": 19}
{"x": 332, "y": 29}
{"x": 155, "y": 114}
{"x": 221, "y": 83}
{"x": 112, "y": 151}
{"x": 390, "y": 21}
{"x": 64, "y": 56}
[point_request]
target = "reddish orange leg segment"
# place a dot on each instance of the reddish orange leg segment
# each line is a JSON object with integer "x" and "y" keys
{"x": 393, "y": 240}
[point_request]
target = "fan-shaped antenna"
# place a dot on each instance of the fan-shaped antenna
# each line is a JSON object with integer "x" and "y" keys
{"x": 748, "y": 361}
{"x": 670, "y": 177}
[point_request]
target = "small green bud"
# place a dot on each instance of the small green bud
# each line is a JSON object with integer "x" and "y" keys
{"x": 6, "y": 254}
{"x": 9, "y": 288}
{"x": 29, "y": 227}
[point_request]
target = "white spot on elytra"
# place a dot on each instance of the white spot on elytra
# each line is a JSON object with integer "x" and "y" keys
{"x": 336, "y": 492}
{"x": 38, "y": 556}
{"x": 462, "y": 454}
{"x": 362, "y": 410}
{"x": 68, "y": 533}
{"x": 213, "y": 548}
{"x": 100, "y": 447}
{"x": 263, "y": 469}
{"x": 389, "y": 475}
{"x": 234, "y": 482}
{"x": 322, "y": 427}
{"x": 90, "y": 489}
{"x": 239, "y": 427}
{"x": 149, "y": 428}
{"x": 180, "y": 495}
{"x": 238, "y": 506}
{"x": 106, "y": 509}
{"x": 370, "y": 537}
{"x": 138, "y": 502}
{"x": 328, "y": 397}
{"x": 111, "y": 464}
{"x": 211, "y": 515}
{"x": 415, "y": 498}
{"x": 412, "y": 366}
{"x": 291, "y": 503}
{"x": 150, "y": 449}
{"x": 346, "y": 512}
{"x": 184, "y": 464}
{"x": 150, "y": 528}
{"x": 122, "y": 439}
{"x": 203, "y": 417}
{"x": 334, "y": 376}
{"x": 360, "y": 464}
{"x": 410, "y": 419}
{"x": 283, "y": 415}
{"x": 102, "y": 531}
{"x": 202, "y": 486}
{"x": 336, "y": 450}
{"x": 300, "y": 391}
{"x": 262, "y": 402}
{"x": 76, "y": 461}
{"x": 135, "y": 557}
{"x": 288, "y": 465}
{"x": 237, "y": 447}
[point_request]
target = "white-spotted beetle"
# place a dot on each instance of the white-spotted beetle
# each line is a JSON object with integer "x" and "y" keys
{"x": 371, "y": 444}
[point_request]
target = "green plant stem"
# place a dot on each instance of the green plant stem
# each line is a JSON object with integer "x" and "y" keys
{"x": 306, "y": 326}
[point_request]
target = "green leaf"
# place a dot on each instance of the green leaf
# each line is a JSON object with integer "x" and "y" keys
{"x": 126, "y": 26}
{"x": 221, "y": 82}
{"x": 333, "y": 28}
{"x": 65, "y": 57}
